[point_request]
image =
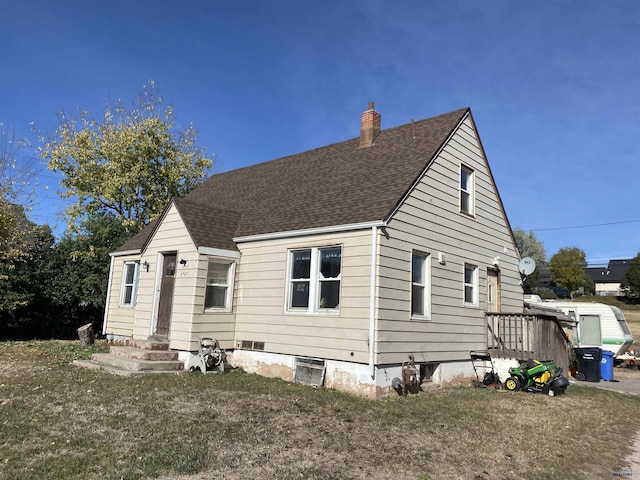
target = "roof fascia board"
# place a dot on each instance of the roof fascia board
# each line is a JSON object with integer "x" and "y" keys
{"x": 427, "y": 167}
{"x": 125, "y": 253}
{"x": 310, "y": 231}
{"x": 219, "y": 252}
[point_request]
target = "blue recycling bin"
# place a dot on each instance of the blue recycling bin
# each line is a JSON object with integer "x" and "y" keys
{"x": 606, "y": 366}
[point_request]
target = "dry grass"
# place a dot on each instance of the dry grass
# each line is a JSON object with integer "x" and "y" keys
{"x": 633, "y": 320}
{"x": 61, "y": 422}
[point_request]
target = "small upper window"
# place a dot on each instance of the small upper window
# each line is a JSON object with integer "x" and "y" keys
{"x": 129, "y": 284}
{"x": 219, "y": 280}
{"x": 470, "y": 284}
{"x": 466, "y": 190}
{"x": 419, "y": 285}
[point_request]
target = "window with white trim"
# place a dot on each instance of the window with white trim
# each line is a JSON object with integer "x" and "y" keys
{"x": 219, "y": 288}
{"x": 314, "y": 279}
{"x": 470, "y": 285}
{"x": 466, "y": 190}
{"x": 420, "y": 285}
{"x": 129, "y": 284}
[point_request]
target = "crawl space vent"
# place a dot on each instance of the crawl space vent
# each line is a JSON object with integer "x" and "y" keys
{"x": 250, "y": 345}
{"x": 309, "y": 371}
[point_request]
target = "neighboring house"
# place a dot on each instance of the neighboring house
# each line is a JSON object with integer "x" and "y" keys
{"x": 607, "y": 280}
{"x": 347, "y": 258}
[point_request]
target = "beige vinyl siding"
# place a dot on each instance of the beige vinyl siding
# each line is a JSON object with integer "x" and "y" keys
{"x": 429, "y": 221}
{"x": 213, "y": 324}
{"x": 171, "y": 236}
{"x": 261, "y": 299}
{"x": 119, "y": 319}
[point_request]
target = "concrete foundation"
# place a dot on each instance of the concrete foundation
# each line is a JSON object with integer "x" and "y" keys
{"x": 351, "y": 377}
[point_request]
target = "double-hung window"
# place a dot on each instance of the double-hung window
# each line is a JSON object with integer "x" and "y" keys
{"x": 129, "y": 284}
{"x": 466, "y": 190}
{"x": 470, "y": 285}
{"x": 420, "y": 285}
{"x": 219, "y": 288}
{"x": 314, "y": 279}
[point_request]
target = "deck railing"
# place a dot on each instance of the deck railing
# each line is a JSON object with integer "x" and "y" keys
{"x": 523, "y": 336}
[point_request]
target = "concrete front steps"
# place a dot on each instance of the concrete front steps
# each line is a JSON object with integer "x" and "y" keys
{"x": 137, "y": 357}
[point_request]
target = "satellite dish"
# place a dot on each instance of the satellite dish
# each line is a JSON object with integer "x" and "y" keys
{"x": 526, "y": 266}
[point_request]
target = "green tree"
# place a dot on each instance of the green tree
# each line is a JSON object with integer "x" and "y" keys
{"x": 17, "y": 182}
{"x": 60, "y": 286}
{"x": 78, "y": 271}
{"x": 24, "y": 304}
{"x": 568, "y": 269}
{"x": 529, "y": 245}
{"x": 129, "y": 164}
{"x": 631, "y": 281}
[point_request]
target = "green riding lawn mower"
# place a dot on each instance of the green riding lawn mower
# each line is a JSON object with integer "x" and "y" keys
{"x": 537, "y": 377}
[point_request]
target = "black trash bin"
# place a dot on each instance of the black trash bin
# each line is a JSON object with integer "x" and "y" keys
{"x": 588, "y": 359}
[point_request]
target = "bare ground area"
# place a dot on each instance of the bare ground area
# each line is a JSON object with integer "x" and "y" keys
{"x": 58, "y": 421}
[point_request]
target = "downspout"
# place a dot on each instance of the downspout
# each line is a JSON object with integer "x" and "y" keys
{"x": 372, "y": 300}
{"x": 106, "y": 303}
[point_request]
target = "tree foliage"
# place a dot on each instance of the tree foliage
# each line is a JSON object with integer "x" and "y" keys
{"x": 81, "y": 262}
{"x": 568, "y": 269}
{"x": 17, "y": 182}
{"x": 529, "y": 245}
{"x": 20, "y": 287}
{"x": 23, "y": 291}
{"x": 63, "y": 285}
{"x": 631, "y": 281}
{"x": 128, "y": 164}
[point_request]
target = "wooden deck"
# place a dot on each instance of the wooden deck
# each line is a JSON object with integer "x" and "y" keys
{"x": 523, "y": 336}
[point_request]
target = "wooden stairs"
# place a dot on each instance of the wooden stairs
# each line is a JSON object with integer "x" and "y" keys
{"x": 136, "y": 357}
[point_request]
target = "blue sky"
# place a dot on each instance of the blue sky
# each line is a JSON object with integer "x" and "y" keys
{"x": 553, "y": 86}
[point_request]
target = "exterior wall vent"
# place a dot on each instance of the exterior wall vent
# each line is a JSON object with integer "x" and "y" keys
{"x": 309, "y": 371}
{"x": 427, "y": 370}
{"x": 251, "y": 345}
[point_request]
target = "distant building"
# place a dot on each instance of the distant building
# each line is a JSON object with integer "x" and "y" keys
{"x": 607, "y": 279}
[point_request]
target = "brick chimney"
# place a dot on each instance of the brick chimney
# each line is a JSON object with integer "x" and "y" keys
{"x": 370, "y": 126}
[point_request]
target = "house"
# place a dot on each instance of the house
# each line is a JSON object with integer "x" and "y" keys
{"x": 607, "y": 279}
{"x": 334, "y": 264}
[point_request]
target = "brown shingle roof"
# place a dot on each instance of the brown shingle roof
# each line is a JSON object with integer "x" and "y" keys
{"x": 209, "y": 226}
{"x": 338, "y": 184}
